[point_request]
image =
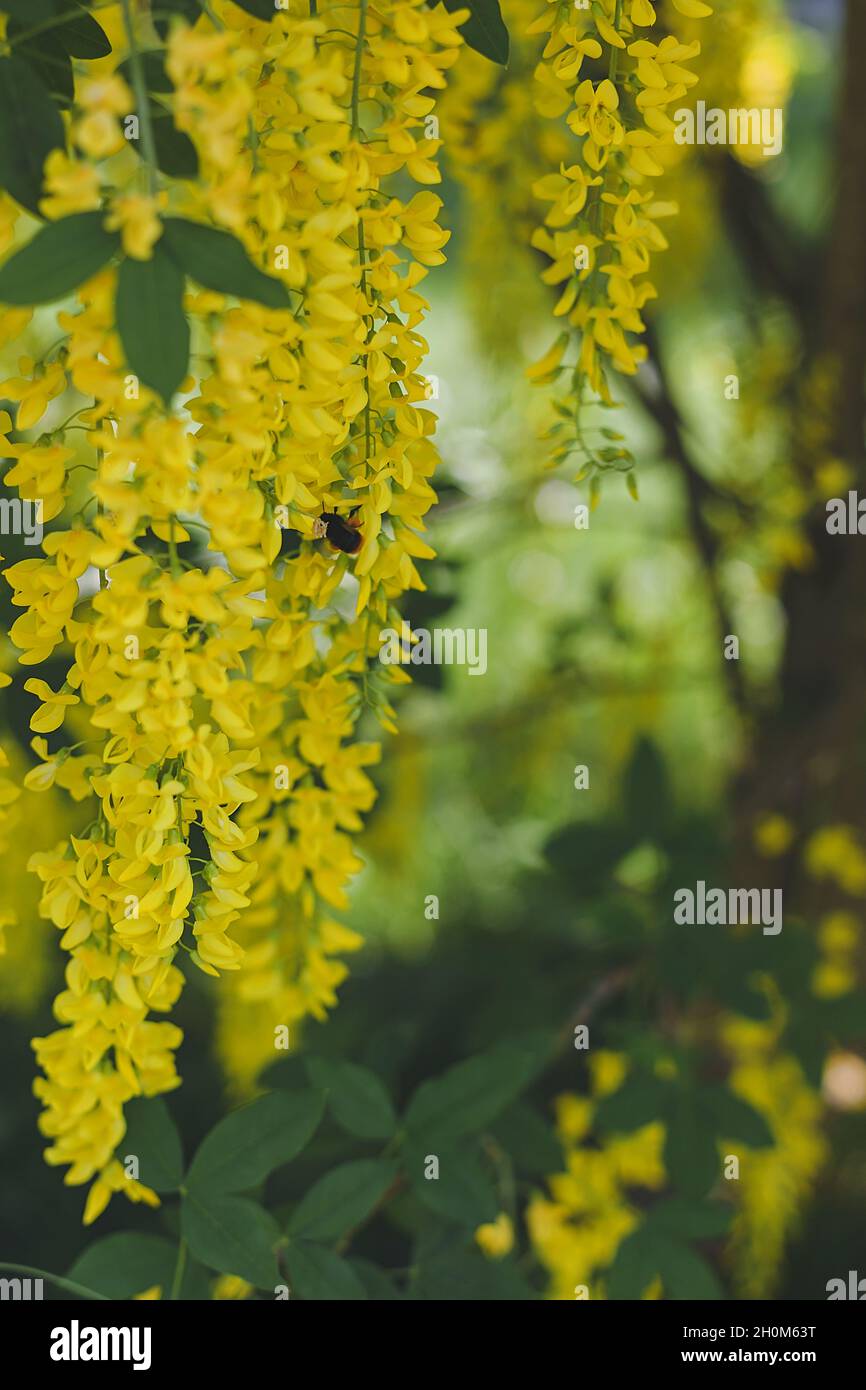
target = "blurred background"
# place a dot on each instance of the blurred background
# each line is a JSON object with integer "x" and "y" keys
{"x": 606, "y": 650}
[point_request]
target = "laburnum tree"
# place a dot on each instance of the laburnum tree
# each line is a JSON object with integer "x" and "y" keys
{"x": 220, "y": 218}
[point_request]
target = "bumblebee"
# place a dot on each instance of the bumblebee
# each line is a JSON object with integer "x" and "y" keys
{"x": 341, "y": 533}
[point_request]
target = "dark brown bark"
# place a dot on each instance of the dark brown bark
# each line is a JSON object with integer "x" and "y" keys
{"x": 808, "y": 759}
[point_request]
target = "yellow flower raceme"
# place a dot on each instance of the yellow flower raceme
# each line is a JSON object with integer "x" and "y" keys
{"x": 218, "y": 658}
{"x": 577, "y": 1234}
{"x": 602, "y": 227}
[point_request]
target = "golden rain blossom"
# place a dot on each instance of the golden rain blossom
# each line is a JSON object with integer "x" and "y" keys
{"x": 137, "y": 218}
{"x": 217, "y": 679}
{"x": 496, "y": 1238}
{"x": 602, "y": 227}
{"x": 578, "y": 1228}
{"x": 72, "y": 184}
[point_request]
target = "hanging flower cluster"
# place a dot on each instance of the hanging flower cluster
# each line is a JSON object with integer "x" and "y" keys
{"x": 9, "y": 794}
{"x": 495, "y": 142}
{"x": 221, "y": 586}
{"x": 778, "y": 1180}
{"x": 614, "y": 85}
{"x": 578, "y": 1227}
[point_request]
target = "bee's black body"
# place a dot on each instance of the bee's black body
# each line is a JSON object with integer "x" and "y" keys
{"x": 340, "y": 532}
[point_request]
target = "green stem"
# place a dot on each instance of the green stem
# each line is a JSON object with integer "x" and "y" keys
{"x": 68, "y": 1284}
{"x": 362, "y": 249}
{"x": 214, "y": 18}
{"x": 356, "y": 75}
{"x": 99, "y": 458}
{"x": 172, "y": 550}
{"x": 142, "y": 100}
{"x": 179, "y": 1271}
{"x": 614, "y": 51}
{"x": 370, "y": 322}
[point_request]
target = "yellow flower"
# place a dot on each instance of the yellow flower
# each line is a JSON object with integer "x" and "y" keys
{"x": 98, "y": 134}
{"x": 692, "y": 9}
{"x": 833, "y": 978}
{"x": 34, "y": 392}
{"x": 9, "y": 213}
{"x": 108, "y": 92}
{"x": 839, "y": 932}
{"x": 231, "y": 1286}
{"x": 53, "y": 709}
{"x": 72, "y": 186}
{"x": 608, "y": 1071}
{"x": 573, "y": 1116}
{"x": 833, "y": 852}
{"x": 773, "y": 835}
{"x": 496, "y": 1238}
{"x": 137, "y": 218}
{"x": 832, "y": 478}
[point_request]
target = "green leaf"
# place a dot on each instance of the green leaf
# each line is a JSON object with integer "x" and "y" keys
{"x": 649, "y": 1253}
{"x": 531, "y": 1144}
{"x": 466, "y": 1276}
{"x": 30, "y": 127}
{"x": 126, "y": 1264}
{"x": 342, "y": 1199}
{"x": 470, "y": 1095}
{"x": 317, "y": 1273}
{"x": 808, "y": 1043}
{"x": 156, "y": 78}
{"x": 356, "y": 1097}
{"x": 232, "y": 1235}
{"x": 59, "y": 258}
{"x": 640, "y": 1101}
{"x": 680, "y": 1216}
{"x": 151, "y": 322}
{"x": 691, "y": 1154}
{"x": 646, "y": 790}
{"x": 484, "y": 30}
{"x": 34, "y": 11}
{"x": 152, "y": 1136}
{"x": 175, "y": 153}
{"x": 185, "y": 9}
{"x": 46, "y": 57}
{"x": 843, "y": 1018}
{"x": 462, "y": 1192}
{"x": 288, "y": 1074}
{"x": 635, "y": 1267}
{"x": 742, "y": 998}
{"x": 686, "y": 1275}
{"x": 733, "y": 1118}
{"x": 376, "y": 1282}
{"x": 584, "y": 854}
{"x": 81, "y": 36}
{"x": 248, "y": 1144}
{"x": 259, "y": 9}
{"x": 218, "y": 261}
